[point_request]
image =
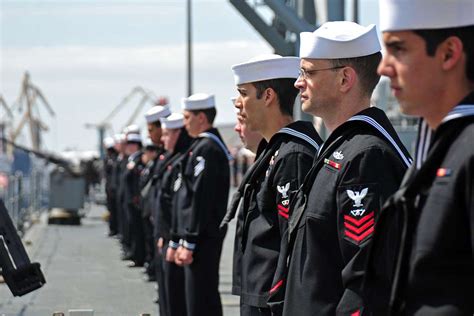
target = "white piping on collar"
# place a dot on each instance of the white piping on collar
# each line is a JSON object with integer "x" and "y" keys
{"x": 219, "y": 142}
{"x": 303, "y": 136}
{"x": 426, "y": 132}
{"x": 364, "y": 118}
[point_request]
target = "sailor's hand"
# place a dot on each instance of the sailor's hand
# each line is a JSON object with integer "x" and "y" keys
{"x": 170, "y": 254}
{"x": 183, "y": 256}
{"x": 159, "y": 245}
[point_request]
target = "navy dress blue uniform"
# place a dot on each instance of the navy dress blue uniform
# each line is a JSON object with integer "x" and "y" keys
{"x": 111, "y": 190}
{"x": 133, "y": 204}
{"x": 263, "y": 217}
{"x": 199, "y": 204}
{"x": 170, "y": 277}
{"x": 360, "y": 165}
{"x": 122, "y": 216}
{"x": 422, "y": 257}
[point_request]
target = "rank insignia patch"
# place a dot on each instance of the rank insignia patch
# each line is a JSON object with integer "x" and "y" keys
{"x": 177, "y": 183}
{"x": 358, "y": 205}
{"x": 283, "y": 189}
{"x": 359, "y": 230}
{"x": 199, "y": 167}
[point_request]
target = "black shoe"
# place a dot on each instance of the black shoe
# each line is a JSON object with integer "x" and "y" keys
{"x": 149, "y": 278}
{"x": 126, "y": 256}
{"x": 134, "y": 264}
{"x": 156, "y": 300}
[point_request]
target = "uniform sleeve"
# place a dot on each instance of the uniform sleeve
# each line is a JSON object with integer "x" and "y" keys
{"x": 367, "y": 181}
{"x": 174, "y": 179}
{"x": 207, "y": 163}
{"x": 289, "y": 175}
{"x": 470, "y": 200}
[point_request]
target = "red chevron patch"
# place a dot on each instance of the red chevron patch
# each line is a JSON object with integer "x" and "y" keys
{"x": 360, "y": 221}
{"x": 282, "y": 208}
{"x": 359, "y": 230}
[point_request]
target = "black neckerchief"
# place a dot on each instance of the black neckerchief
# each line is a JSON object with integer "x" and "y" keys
{"x": 300, "y": 129}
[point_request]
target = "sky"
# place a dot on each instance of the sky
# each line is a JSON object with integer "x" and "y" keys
{"x": 87, "y": 55}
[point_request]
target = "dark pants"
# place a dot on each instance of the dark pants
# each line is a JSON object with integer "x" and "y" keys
{"x": 112, "y": 208}
{"x": 160, "y": 279}
{"x": 150, "y": 244}
{"x": 201, "y": 279}
{"x": 137, "y": 237}
{"x": 247, "y": 310}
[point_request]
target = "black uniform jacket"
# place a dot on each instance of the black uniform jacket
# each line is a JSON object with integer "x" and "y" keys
{"x": 202, "y": 189}
{"x": 424, "y": 252}
{"x": 132, "y": 177}
{"x": 360, "y": 165}
{"x": 264, "y": 212}
{"x": 165, "y": 177}
{"x": 147, "y": 183}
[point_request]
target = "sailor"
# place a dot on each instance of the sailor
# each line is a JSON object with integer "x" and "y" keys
{"x": 133, "y": 200}
{"x": 200, "y": 200}
{"x": 110, "y": 185}
{"x": 358, "y": 167}
{"x": 149, "y": 158}
{"x": 250, "y": 139}
{"x": 171, "y": 289}
{"x": 126, "y": 238}
{"x": 148, "y": 189}
{"x": 267, "y": 95}
{"x": 429, "y": 223}
{"x": 119, "y": 179}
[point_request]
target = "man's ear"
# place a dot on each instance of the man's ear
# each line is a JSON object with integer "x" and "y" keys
{"x": 451, "y": 51}
{"x": 269, "y": 95}
{"x": 202, "y": 118}
{"x": 348, "y": 78}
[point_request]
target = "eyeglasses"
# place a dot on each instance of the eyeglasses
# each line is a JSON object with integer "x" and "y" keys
{"x": 305, "y": 74}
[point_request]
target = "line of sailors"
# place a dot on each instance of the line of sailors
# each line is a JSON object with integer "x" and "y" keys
{"x": 167, "y": 199}
{"x": 352, "y": 225}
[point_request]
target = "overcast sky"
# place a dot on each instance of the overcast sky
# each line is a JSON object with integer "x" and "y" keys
{"x": 87, "y": 55}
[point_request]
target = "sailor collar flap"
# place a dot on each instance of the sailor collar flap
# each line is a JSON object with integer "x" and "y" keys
{"x": 213, "y": 135}
{"x": 426, "y": 135}
{"x": 376, "y": 119}
{"x": 302, "y": 130}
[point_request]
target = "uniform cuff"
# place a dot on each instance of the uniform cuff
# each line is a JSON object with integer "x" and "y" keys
{"x": 173, "y": 244}
{"x": 187, "y": 245}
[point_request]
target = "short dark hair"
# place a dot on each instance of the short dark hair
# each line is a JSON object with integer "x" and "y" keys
{"x": 209, "y": 113}
{"x": 284, "y": 89}
{"x": 156, "y": 123}
{"x": 365, "y": 67}
{"x": 435, "y": 37}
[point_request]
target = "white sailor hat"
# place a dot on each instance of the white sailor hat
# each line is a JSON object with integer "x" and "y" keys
{"x": 132, "y": 129}
{"x": 175, "y": 120}
{"x": 340, "y": 39}
{"x": 109, "y": 142}
{"x": 134, "y": 138}
{"x": 156, "y": 112}
{"x": 266, "y": 67}
{"x": 198, "y": 101}
{"x": 398, "y": 15}
{"x": 119, "y": 138}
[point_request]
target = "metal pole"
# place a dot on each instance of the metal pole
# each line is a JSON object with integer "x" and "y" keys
{"x": 189, "y": 48}
{"x": 355, "y": 11}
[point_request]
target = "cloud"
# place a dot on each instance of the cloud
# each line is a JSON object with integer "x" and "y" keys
{"x": 84, "y": 83}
